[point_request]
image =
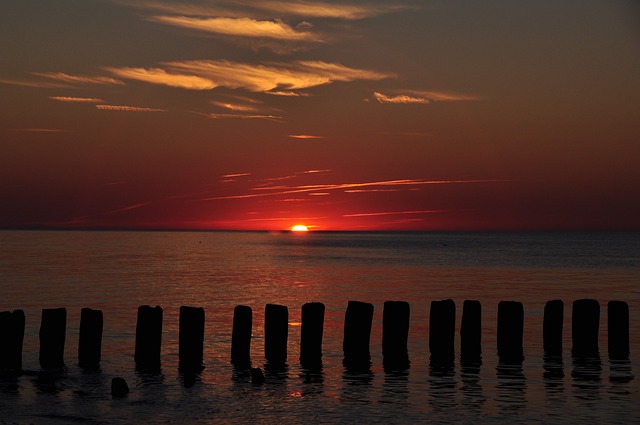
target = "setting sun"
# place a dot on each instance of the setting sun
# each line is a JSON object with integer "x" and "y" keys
{"x": 299, "y": 228}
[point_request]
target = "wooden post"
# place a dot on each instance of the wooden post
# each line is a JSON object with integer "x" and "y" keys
{"x": 510, "y": 329}
{"x": 90, "y": 339}
{"x": 241, "y": 336}
{"x": 585, "y": 324}
{"x": 52, "y": 337}
{"x": 11, "y": 339}
{"x": 618, "y": 330}
{"x": 395, "y": 333}
{"x": 442, "y": 325}
{"x": 276, "y": 332}
{"x": 311, "y": 335}
{"x": 471, "y": 332}
{"x": 357, "y": 335}
{"x": 191, "y": 339}
{"x": 148, "y": 337}
{"x": 552, "y": 327}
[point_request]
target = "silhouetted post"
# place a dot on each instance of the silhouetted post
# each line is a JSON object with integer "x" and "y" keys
{"x": 585, "y": 323}
{"x": 395, "y": 333}
{"x": 311, "y": 334}
{"x": 552, "y": 327}
{"x": 119, "y": 387}
{"x": 618, "y": 330}
{"x": 52, "y": 337}
{"x": 471, "y": 332}
{"x": 510, "y": 329}
{"x": 148, "y": 337}
{"x": 357, "y": 335}
{"x": 191, "y": 339}
{"x": 11, "y": 339}
{"x": 241, "y": 336}
{"x": 276, "y": 333}
{"x": 442, "y": 326}
{"x": 90, "y": 339}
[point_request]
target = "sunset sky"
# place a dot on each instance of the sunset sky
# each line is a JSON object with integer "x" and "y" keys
{"x": 339, "y": 115}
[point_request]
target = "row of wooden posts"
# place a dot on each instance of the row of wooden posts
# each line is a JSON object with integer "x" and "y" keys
{"x": 357, "y": 331}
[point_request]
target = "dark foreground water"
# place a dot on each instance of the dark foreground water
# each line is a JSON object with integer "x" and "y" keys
{"x": 116, "y": 272}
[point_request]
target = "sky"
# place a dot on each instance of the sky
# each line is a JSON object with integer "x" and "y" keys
{"x": 339, "y": 115}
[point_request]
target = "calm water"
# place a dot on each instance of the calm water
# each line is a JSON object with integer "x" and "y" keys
{"x": 118, "y": 271}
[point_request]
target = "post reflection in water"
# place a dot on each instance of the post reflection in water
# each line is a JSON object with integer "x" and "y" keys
{"x": 553, "y": 377}
{"x": 395, "y": 387}
{"x": 511, "y": 387}
{"x": 442, "y": 384}
{"x": 313, "y": 381}
{"x": 357, "y": 384}
{"x": 587, "y": 379}
{"x": 473, "y": 397}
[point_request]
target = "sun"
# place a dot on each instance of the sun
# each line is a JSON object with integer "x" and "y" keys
{"x": 299, "y": 228}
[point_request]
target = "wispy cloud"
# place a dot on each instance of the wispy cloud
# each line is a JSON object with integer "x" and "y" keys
{"x": 376, "y": 214}
{"x": 305, "y": 136}
{"x": 79, "y": 79}
{"x": 124, "y": 108}
{"x": 319, "y": 9}
{"x": 421, "y": 97}
{"x": 40, "y": 130}
{"x": 162, "y": 77}
{"x": 244, "y": 117}
{"x": 286, "y": 190}
{"x": 234, "y": 106}
{"x": 399, "y": 99}
{"x": 34, "y": 84}
{"x": 70, "y": 99}
{"x": 242, "y": 27}
{"x": 233, "y": 175}
{"x": 207, "y": 74}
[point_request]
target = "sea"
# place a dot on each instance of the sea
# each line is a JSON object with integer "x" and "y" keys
{"x": 117, "y": 272}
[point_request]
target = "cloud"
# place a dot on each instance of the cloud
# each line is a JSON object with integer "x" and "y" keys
{"x": 288, "y": 93}
{"x": 320, "y": 9}
{"x": 399, "y": 99}
{"x": 305, "y": 136}
{"x": 235, "y": 106}
{"x": 421, "y": 97}
{"x": 162, "y": 77}
{"x": 376, "y": 214}
{"x": 242, "y": 27}
{"x": 286, "y": 190}
{"x": 273, "y": 78}
{"x": 76, "y": 99}
{"x": 79, "y": 79}
{"x": 247, "y": 116}
{"x": 230, "y": 176}
{"x": 40, "y": 130}
{"x": 123, "y": 108}
{"x": 34, "y": 84}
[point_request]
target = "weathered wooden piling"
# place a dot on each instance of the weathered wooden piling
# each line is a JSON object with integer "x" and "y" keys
{"x": 90, "y": 339}
{"x": 148, "y": 337}
{"x": 510, "y": 330}
{"x": 276, "y": 333}
{"x": 11, "y": 339}
{"x": 395, "y": 334}
{"x": 471, "y": 332}
{"x": 618, "y": 330}
{"x": 53, "y": 328}
{"x": 442, "y": 326}
{"x": 552, "y": 327}
{"x": 191, "y": 339}
{"x": 357, "y": 335}
{"x": 311, "y": 335}
{"x": 241, "y": 336}
{"x": 585, "y": 324}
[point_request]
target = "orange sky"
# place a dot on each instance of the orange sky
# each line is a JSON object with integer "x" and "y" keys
{"x": 341, "y": 115}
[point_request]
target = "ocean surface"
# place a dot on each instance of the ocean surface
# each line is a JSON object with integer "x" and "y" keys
{"x": 119, "y": 271}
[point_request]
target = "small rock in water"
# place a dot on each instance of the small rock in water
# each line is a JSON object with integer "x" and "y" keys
{"x": 119, "y": 387}
{"x": 257, "y": 377}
